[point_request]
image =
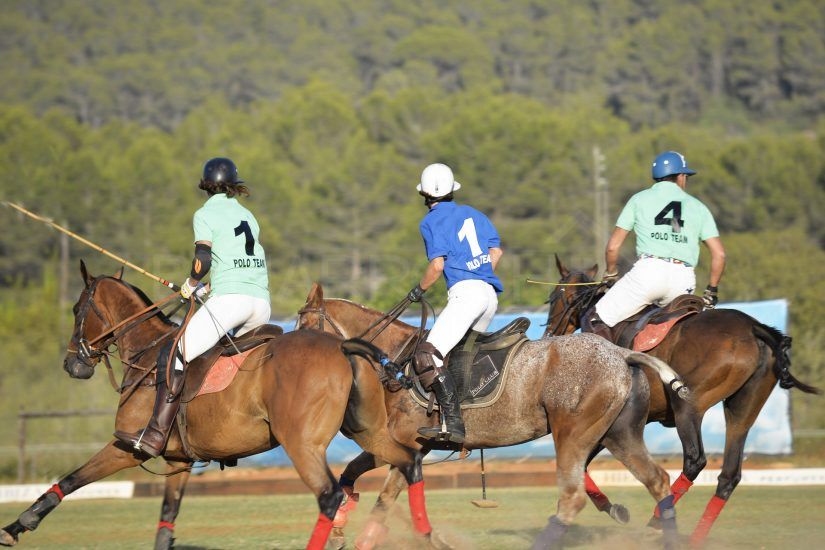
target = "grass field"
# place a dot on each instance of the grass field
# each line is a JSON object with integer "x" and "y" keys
{"x": 757, "y": 517}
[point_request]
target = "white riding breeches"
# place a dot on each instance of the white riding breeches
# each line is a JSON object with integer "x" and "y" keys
{"x": 218, "y": 315}
{"x": 471, "y": 304}
{"x": 650, "y": 281}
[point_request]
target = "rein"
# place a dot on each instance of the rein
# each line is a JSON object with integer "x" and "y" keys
{"x": 378, "y": 326}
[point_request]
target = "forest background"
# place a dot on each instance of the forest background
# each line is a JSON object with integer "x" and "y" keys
{"x": 332, "y": 109}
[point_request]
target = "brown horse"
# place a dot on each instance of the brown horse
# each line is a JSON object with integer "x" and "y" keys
{"x": 296, "y": 390}
{"x": 722, "y": 354}
{"x": 579, "y": 387}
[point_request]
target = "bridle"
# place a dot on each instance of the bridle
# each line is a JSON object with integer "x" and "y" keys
{"x": 321, "y": 311}
{"x": 91, "y": 351}
{"x": 575, "y": 306}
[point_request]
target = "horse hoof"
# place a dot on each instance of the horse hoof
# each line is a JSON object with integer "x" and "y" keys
{"x": 165, "y": 539}
{"x": 438, "y": 542}
{"x": 619, "y": 513}
{"x": 337, "y": 540}
{"x": 655, "y": 523}
{"x": 374, "y": 534}
{"x": 6, "y": 539}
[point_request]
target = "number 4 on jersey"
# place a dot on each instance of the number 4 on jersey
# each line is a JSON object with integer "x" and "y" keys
{"x": 676, "y": 222}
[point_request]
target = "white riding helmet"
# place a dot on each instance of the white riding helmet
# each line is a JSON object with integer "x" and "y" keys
{"x": 437, "y": 181}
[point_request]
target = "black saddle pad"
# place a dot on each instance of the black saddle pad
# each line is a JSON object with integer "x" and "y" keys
{"x": 479, "y": 374}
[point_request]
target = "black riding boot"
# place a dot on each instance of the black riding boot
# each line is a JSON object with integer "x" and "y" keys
{"x": 152, "y": 439}
{"x": 445, "y": 393}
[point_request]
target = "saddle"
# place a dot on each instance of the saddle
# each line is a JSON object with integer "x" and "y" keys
{"x": 215, "y": 369}
{"x": 478, "y": 365}
{"x": 646, "y": 330}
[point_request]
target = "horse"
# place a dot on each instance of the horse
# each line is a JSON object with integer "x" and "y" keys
{"x": 579, "y": 388}
{"x": 722, "y": 355}
{"x": 296, "y": 390}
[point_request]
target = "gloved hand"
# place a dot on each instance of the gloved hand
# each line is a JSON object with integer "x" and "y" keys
{"x": 187, "y": 289}
{"x": 711, "y": 297}
{"x": 610, "y": 278}
{"x": 415, "y": 294}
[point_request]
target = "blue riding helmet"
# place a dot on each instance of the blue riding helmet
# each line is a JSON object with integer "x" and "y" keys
{"x": 670, "y": 163}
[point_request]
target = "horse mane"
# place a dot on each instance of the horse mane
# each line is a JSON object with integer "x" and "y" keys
{"x": 148, "y": 302}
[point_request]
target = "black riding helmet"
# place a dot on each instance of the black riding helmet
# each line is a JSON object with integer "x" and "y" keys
{"x": 221, "y": 170}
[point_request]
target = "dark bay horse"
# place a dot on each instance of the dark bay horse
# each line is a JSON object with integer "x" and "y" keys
{"x": 297, "y": 390}
{"x": 722, "y": 355}
{"x": 579, "y": 387}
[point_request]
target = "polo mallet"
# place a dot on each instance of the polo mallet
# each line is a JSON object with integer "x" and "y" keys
{"x": 90, "y": 244}
{"x": 484, "y": 502}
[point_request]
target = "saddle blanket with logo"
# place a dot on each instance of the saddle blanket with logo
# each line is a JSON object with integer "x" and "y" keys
{"x": 479, "y": 366}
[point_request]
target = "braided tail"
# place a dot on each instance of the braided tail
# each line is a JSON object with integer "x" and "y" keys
{"x": 781, "y": 347}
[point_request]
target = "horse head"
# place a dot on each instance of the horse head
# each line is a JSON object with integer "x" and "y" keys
{"x": 84, "y": 351}
{"x": 570, "y": 299}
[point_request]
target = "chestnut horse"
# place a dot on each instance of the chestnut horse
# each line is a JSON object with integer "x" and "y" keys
{"x": 722, "y": 354}
{"x": 579, "y": 387}
{"x": 296, "y": 390}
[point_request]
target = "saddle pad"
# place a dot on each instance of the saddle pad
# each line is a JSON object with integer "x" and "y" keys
{"x": 652, "y": 335}
{"x": 222, "y": 373}
{"x": 494, "y": 387}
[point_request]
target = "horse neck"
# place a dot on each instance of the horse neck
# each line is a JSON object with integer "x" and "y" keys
{"x": 118, "y": 302}
{"x": 354, "y": 319}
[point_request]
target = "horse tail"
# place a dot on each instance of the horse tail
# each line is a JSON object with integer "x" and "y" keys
{"x": 389, "y": 371}
{"x": 665, "y": 372}
{"x": 781, "y": 347}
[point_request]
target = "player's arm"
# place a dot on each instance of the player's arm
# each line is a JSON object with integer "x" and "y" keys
{"x": 717, "y": 260}
{"x": 433, "y": 272}
{"x": 495, "y": 255}
{"x": 611, "y": 251}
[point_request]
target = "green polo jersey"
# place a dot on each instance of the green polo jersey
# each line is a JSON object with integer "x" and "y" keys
{"x": 668, "y": 222}
{"x": 238, "y": 259}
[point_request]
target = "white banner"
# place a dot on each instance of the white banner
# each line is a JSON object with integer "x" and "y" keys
{"x": 789, "y": 476}
{"x": 100, "y": 489}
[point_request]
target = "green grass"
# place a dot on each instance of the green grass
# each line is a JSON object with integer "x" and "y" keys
{"x": 757, "y": 517}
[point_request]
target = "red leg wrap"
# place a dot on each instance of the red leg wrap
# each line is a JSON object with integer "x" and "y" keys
{"x": 56, "y": 490}
{"x": 680, "y": 487}
{"x": 711, "y": 513}
{"x": 599, "y": 499}
{"x": 168, "y": 525}
{"x": 418, "y": 509}
{"x": 320, "y": 534}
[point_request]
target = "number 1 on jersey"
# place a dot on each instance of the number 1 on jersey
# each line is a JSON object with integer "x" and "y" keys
{"x": 249, "y": 245}
{"x": 468, "y": 231}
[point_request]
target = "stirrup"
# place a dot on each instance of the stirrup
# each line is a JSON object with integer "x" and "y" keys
{"x": 441, "y": 436}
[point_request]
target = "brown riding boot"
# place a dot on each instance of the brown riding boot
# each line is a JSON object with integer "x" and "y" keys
{"x": 152, "y": 439}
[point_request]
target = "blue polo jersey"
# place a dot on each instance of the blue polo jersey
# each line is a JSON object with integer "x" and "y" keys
{"x": 463, "y": 236}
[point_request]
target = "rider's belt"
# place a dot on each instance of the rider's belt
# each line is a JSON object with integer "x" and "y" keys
{"x": 669, "y": 260}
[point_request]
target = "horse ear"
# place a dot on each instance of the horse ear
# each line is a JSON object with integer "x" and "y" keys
{"x": 316, "y": 295}
{"x": 563, "y": 271}
{"x": 87, "y": 279}
{"x": 119, "y": 273}
{"x": 592, "y": 271}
